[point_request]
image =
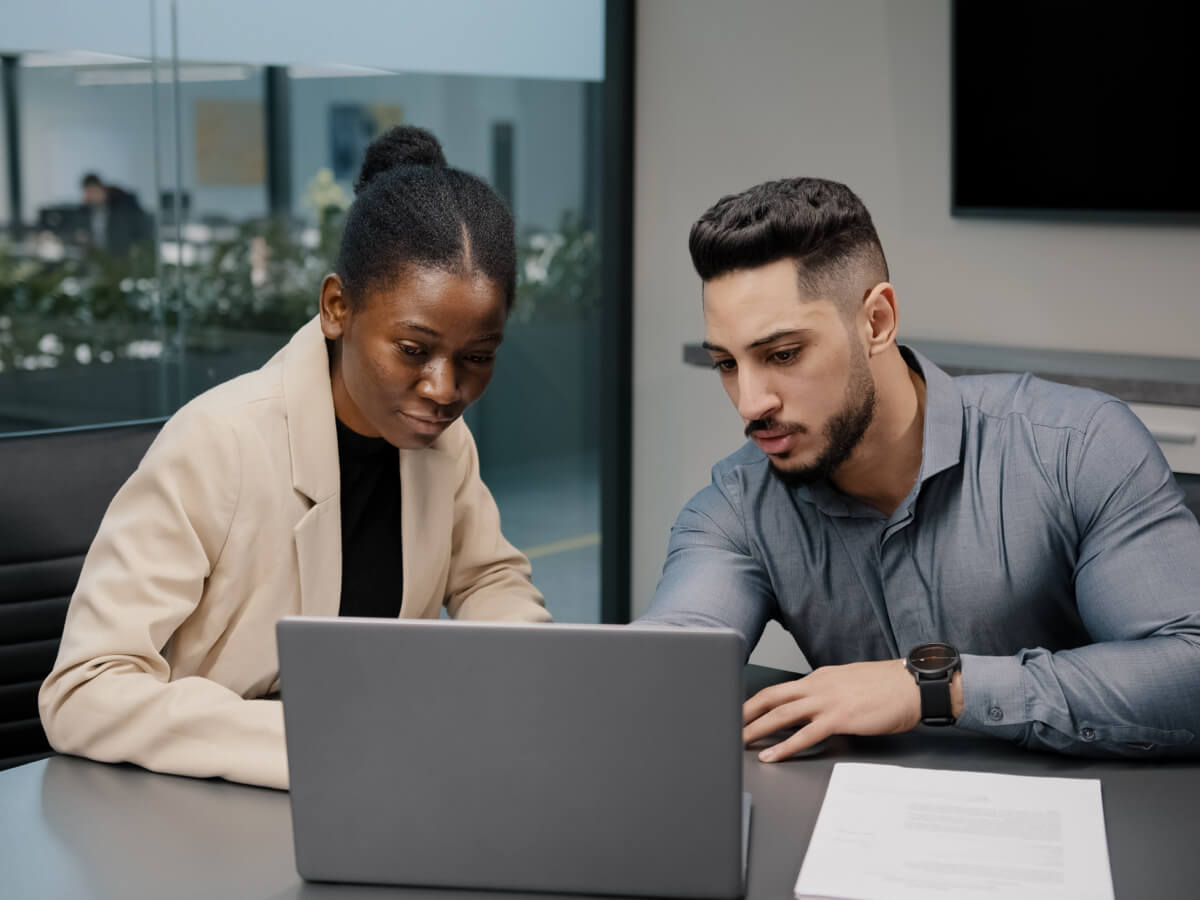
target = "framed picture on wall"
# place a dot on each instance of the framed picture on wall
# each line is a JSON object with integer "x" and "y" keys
{"x": 230, "y": 142}
{"x": 352, "y": 126}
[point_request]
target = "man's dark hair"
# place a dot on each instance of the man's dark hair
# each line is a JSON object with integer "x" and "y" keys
{"x": 820, "y": 224}
{"x": 411, "y": 209}
{"x": 91, "y": 179}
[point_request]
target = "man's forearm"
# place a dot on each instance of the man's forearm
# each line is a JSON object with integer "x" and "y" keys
{"x": 1121, "y": 698}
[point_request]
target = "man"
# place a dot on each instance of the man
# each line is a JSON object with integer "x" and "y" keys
{"x": 994, "y": 551}
{"x": 117, "y": 219}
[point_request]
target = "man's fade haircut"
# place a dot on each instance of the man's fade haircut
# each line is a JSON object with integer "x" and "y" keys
{"x": 820, "y": 224}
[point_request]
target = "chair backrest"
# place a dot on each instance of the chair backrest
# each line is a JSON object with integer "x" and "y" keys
{"x": 54, "y": 489}
{"x": 1191, "y": 491}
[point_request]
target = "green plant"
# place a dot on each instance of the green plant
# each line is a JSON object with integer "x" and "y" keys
{"x": 87, "y": 306}
{"x": 558, "y": 272}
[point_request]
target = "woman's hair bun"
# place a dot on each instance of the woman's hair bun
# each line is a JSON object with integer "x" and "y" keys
{"x": 404, "y": 145}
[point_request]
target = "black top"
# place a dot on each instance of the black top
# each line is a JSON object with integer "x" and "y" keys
{"x": 372, "y": 564}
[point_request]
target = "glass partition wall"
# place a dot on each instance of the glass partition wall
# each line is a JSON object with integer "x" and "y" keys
{"x": 173, "y": 195}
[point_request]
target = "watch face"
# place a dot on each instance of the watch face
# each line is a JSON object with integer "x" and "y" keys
{"x": 932, "y": 658}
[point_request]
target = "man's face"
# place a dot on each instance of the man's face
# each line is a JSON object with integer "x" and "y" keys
{"x": 797, "y": 376}
{"x": 93, "y": 194}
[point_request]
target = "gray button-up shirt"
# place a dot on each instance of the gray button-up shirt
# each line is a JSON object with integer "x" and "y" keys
{"x": 1045, "y": 538}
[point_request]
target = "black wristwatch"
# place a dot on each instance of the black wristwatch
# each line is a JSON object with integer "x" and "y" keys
{"x": 933, "y": 665}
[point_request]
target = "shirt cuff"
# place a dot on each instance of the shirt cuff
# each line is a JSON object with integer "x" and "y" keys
{"x": 994, "y": 697}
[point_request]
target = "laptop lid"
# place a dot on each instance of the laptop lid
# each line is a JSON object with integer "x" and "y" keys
{"x": 574, "y": 758}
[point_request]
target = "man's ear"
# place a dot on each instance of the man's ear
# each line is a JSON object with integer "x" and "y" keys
{"x": 880, "y": 318}
{"x": 335, "y": 307}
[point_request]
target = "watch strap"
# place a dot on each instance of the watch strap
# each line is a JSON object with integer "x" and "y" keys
{"x": 935, "y": 700}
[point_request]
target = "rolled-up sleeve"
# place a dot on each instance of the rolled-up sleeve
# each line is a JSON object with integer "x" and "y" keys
{"x": 1135, "y": 690}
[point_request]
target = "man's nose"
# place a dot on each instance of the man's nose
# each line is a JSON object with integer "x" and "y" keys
{"x": 757, "y": 398}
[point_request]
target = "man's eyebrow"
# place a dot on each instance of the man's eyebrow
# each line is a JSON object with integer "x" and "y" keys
{"x": 780, "y": 335}
{"x": 762, "y": 341}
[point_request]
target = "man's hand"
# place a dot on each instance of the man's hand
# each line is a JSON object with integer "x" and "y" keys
{"x": 859, "y": 698}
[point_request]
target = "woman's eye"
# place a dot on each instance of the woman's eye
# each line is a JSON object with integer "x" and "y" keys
{"x": 724, "y": 365}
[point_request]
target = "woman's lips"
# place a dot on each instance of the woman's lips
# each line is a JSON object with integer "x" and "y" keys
{"x": 426, "y": 424}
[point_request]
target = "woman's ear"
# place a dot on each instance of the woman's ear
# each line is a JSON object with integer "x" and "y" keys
{"x": 335, "y": 307}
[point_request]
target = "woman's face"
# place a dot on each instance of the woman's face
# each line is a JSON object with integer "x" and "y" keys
{"x": 413, "y": 355}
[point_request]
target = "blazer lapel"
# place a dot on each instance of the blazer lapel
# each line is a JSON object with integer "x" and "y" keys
{"x": 312, "y": 440}
{"x": 427, "y": 524}
{"x": 319, "y": 557}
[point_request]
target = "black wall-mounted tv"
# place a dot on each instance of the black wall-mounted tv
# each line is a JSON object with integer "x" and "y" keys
{"x": 1075, "y": 107}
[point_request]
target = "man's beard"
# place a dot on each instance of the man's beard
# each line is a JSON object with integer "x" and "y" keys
{"x": 844, "y": 431}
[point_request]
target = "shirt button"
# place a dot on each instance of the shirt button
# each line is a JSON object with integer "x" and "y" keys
{"x": 995, "y": 714}
{"x": 1087, "y": 734}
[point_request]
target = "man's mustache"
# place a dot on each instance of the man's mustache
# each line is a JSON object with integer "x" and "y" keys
{"x": 772, "y": 425}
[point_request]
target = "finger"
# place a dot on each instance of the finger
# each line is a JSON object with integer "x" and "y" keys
{"x": 789, "y": 715}
{"x": 769, "y": 698}
{"x": 812, "y": 733}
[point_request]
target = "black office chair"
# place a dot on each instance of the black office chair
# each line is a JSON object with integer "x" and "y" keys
{"x": 1191, "y": 492}
{"x": 54, "y": 489}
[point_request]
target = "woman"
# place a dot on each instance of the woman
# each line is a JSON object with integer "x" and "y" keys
{"x": 280, "y": 492}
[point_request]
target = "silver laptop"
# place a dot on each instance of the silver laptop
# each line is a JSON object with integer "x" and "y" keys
{"x": 573, "y": 758}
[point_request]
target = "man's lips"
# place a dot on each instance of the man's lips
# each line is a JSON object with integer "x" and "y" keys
{"x": 774, "y": 441}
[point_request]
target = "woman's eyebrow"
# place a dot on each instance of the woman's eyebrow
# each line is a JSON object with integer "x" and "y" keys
{"x": 417, "y": 326}
{"x": 494, "y": 336}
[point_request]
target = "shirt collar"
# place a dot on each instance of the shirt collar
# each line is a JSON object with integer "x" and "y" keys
{"x": 943, "y": 433}
{"x": 941, "y": 437}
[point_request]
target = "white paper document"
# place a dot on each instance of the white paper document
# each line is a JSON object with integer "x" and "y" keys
{"x": 894, "y": 833}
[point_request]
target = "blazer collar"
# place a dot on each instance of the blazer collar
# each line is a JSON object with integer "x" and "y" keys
{"x": 428, "y": 485}
{"x": 308, "y": 399}
{"x": 428, "y": 480}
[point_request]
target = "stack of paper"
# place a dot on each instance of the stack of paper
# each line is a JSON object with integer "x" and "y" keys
{"x": 894, "y": 833}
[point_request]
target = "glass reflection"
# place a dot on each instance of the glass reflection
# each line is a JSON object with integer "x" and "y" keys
{"x": 177, "y": 221}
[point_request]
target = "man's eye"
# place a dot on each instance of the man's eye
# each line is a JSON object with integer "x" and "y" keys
{"x": 410, "y": 349}
{"x": 784, "y": 356}
{"x": 481, "y": 359}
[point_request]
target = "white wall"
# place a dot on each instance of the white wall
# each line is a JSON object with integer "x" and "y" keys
{"x": 548, "y": 119}
{"x": 465, "y": 64}
{"x": 515, "y": 38}
{"x": 68, "y": 130}
{"x": 4, "y": 210}
{"x": 731, "y": 94}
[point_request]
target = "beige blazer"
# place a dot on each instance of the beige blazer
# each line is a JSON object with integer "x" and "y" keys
{"x": 231, "y": 521}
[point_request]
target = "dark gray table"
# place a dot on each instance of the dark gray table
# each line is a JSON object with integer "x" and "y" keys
{"x": 76, "y": 829}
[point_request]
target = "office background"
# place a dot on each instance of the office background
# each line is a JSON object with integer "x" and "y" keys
{"x": 239, "y": 128}
{"x": 525, "y": 93}
{"x": 729, "y": 95}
